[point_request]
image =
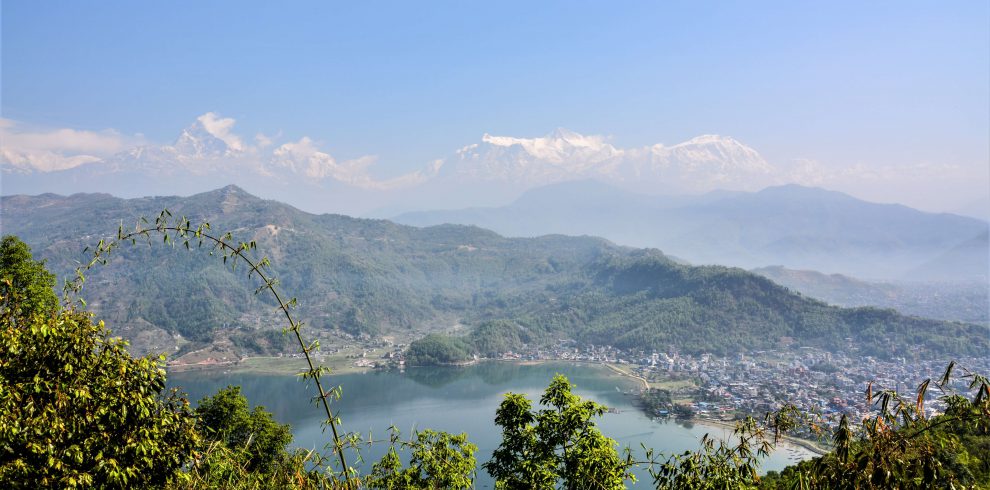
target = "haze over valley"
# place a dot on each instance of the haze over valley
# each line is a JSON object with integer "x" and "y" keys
{"x": 799, "y": 227}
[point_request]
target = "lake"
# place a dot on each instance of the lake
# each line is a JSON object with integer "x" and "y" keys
{"x": 456, "y": 399}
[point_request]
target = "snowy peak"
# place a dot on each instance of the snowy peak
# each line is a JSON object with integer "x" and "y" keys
{"x": 207, "y": 146}
{"x": 198, "y": 144}
{"x": 710, "y": 139}
{"x": 724, "y": 153}
{"x": 701, "y": 163}
{"x": 209, "y": 137}
{"x": 557, "y": 146}
{"x": 559, "y": 156}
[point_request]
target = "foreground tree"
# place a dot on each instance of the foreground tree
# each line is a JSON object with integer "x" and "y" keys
{"x": 226, "y": 418}
{"x": 26, "y": 279}
{"x": 76, "y": 410}
{"x": 559, "y": 444}
{"x": 438, "y": 460}
{"x": 245, "y": 448}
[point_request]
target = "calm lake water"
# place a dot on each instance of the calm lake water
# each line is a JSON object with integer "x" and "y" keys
{"x": 456, "y": 399}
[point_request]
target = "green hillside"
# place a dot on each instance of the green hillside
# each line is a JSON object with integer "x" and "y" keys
{"x": 372, "y": 277}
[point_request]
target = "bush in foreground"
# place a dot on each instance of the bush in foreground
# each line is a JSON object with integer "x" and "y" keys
{"x": 76, "y": 410}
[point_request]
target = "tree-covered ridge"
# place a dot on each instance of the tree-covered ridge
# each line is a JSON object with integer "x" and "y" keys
{"x": 643, "y": 300}
{"x": 435, "y": 349}
{"x": 375, "y": 277}
{"x": 362, "y": 276}
{"x": 489, "y": 339}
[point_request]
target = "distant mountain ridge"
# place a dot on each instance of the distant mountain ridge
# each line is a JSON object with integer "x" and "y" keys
{"x": 374, "y": 277}
{"x": 799, "y": 227}
{"x": 969, "y": 301}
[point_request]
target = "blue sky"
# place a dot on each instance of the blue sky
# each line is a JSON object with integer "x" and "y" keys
{"x": 841, "y": 83}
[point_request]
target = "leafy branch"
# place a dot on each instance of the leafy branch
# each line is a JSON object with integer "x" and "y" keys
{"x": 180, "y": 230}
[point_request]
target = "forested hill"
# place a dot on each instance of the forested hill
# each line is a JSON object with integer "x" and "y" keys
{"x": 373, "y": 277}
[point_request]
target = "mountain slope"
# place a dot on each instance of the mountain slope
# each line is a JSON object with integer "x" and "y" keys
{"x": 799, "y": 227}
{"x": 372, "y": 277}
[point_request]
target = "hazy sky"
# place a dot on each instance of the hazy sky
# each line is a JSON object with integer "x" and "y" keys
{"x": 891, "y": 85}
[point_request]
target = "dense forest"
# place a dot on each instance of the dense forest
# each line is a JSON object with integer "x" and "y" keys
{"x": 489, "y": 339}
{"x": 372, "y": 277}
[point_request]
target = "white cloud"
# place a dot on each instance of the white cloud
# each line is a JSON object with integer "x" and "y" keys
{"x": 263, "y": 140}
{"x": 210, "y": 144}
{"x": 304, "y": 157}
{"x": 220, "y": 128}
{"x": 41, "y": 160}
{"x": 49, "y": 150}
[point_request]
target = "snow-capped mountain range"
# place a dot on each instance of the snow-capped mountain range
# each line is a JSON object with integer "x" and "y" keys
{"x": 209, "y": 154}
{"x": 697, "y": 165}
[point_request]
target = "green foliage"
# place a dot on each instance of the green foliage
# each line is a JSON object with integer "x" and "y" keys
{"x": 438, "y": 461}
{"x": 559, "y": 444}
{"x": 225, "y": 417}
{"x": 493, "y": 338}
{"x": 26, "y": 278}
{"x": 220, "y": 466}
{"x": 245, "y": 448}
{"x": 76, "y": 410}
{"x": 656, "y": 399}
{"x": 435, "y": 349}
{"x": 265, "y": 342}
{"x": 644, "y": 300}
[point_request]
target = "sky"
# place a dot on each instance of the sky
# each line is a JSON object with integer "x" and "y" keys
{"x": 896, "y": 86}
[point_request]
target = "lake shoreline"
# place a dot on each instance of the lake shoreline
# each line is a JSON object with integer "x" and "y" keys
{"x": 266, "y": 365}
{"x": 783, "y": 443}
{"x": 729, "y": 426}
{"x": 271, "y": 365}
